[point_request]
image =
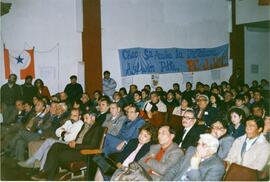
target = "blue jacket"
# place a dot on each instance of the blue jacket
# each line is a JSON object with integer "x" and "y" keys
{"x": 109, "y": 86}
{"x": 130, "y": 129}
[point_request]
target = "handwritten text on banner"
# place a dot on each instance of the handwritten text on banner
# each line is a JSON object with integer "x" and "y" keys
{"x": 135, "y": 61}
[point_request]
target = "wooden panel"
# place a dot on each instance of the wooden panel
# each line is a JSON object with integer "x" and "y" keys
{"x": 237, "y": 44}
{"x": 264, "y": 2}
{"x": 91, "y": 39}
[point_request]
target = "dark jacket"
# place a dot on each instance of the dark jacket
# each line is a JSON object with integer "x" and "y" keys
{"x": 74, "y": 92}
{"x": 10, "y": 95}
{"x": 210, "y": 115}
{"x": 131, "y": 146}
{"x": 92, "y": 138}
{"x": 191, "y": 138}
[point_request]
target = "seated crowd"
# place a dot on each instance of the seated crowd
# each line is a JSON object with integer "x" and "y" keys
{"x": 182, "y": 134}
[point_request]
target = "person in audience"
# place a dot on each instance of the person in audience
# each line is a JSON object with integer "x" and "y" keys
{"x": 215, "y": 90}
{"x": 236, "y": 127}
{"x": 62, "y": 154}
{"x": 198, "y": 164}
{"x": 145, "y": 95}
{"x": 73, "y": 90}
{"x": 236, "y": 78}
{"x": 178, "y": 96}
{"x": 117, "y": 98}
{"x": 28, "y": 90}
{"x": 219, "y": 130}
{"x": 134, "y": 151}
{"x": 30, "y": 132}
{"x": 251, "y": 150}
{"x": 176, "y": 87}
{"x": 138, "y": 100}
{"x": 103, "y": 110}
{"x": 240, "y": 103}
{"x": 10, "y": 92}
{"x": 215, "y": 101}
{"x": 147, "y": 87}
{"x": 114, "y": 120}
{"x": 66, "y": 133}
{"x": 227, "y": 103}
{"x": 171, "y": 101}
{"x": 264, "y": 85}
{"x": 186, "y": 104}
{"x": 266, "y": 130}
{"x": 96, "y": 97}
{"x": 258, "y": 110}
{"x": 190, "y": 133}
{"x": 43, "y": 90}
{"x": 254, "y": 85}
{"x": 108, "y": 84}
{"x": 129, "y": 130}
{"x": 188, "y": 92}
{"x": 63, "y": 97}
{"x": 155, "y": 102}
{"x": 258, "y": 98}
{"x": 205, "y": 114}
{"x": 163, "y": 155}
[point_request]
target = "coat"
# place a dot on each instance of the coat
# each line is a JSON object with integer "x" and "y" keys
{"x": 255, "y": 158}
{"x": 170, "y": 157}
{"x": 211, "y": 169}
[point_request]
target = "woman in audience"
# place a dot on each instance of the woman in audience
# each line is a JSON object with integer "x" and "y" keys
{"x": 43, "y": 90}
{"x": 134, "y": 150}
{"x": 251, "y": 150}
{"x": 97, "y": 95}
{"x": 171, "y": 101}
{"x": 117, "y": 98}
{"x": 236, "y": 127}
{"x": 137, "y": 96}
{"x": 219, "y": 130}
{"x": 186, "y": 104}
{"x": 240, "y": 103}
{"x": 215, "y": 101}
{"x": 114, "y": 119}
{"x": 145, "y": 95}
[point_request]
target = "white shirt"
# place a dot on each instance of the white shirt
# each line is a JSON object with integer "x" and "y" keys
{"x": 250, "y": 142}
{"x": 160, "y": 105}
{"x": 71, "y": 129}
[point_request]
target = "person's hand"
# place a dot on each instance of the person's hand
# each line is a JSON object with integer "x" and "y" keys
{"x": 72, "y": 144}
{"x": 120, "y": 146}
{"x": 195, "y": 161}
{"x": 119, "y": 165}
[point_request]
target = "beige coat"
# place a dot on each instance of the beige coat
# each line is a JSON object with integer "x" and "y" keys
{"x": 256, "y": 157}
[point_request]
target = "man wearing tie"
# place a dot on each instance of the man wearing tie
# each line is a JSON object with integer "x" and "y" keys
{"x": 190, "y": 133}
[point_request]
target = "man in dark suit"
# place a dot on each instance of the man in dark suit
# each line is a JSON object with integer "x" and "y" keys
{"x": 61, "y": 154}
{"x": 190, "y": 133}
{"x": 206, "y": 115}
{"x": 74, "y": 90}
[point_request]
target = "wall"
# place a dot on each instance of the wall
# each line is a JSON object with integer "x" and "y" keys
{"x": 257, "y": 52}
{"x": 248, "y": 11}
{"x": 54, "y": 28}
{"x": 162, "y": 24}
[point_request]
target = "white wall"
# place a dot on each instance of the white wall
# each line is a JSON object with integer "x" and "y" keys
{"x": 257, "y": 52}
{"x": 162, "y": 24}
{"x": 44, "y": 24}
{"x": 248, "y": 11}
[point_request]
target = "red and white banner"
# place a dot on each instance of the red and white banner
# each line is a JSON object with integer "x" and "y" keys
{"x": 21, "y": 63}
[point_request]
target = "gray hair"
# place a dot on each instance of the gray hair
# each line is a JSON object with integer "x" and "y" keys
{"x": 211, "y": 141}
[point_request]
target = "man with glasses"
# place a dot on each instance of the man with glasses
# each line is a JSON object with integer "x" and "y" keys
{"x": 205, "y": 114}
{"x": 190, "y": 133}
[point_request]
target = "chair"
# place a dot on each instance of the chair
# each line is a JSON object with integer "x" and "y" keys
{"x": 241, "y": 173}
{"x": 81, "y": 166}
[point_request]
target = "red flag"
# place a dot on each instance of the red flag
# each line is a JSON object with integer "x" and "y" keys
{"x": 19, "y": 63}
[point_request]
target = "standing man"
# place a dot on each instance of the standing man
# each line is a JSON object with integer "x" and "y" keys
{"x": 74, "y": 90}
{"x": 28, "y": 89}
{"x": 10, "y": 92}
{"x": 109, "y": 84}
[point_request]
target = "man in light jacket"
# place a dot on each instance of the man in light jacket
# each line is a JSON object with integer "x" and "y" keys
{"x": 109, "y": 84}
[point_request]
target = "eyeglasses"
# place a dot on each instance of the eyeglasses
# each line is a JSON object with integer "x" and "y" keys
{"x": 188, "y": 118}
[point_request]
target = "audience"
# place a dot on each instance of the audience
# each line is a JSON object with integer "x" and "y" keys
{"x": 34, "y": 118}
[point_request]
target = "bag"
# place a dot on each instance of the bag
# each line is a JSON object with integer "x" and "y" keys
{"x": 134, "y": 172}
{"x": 106, "y": 165}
